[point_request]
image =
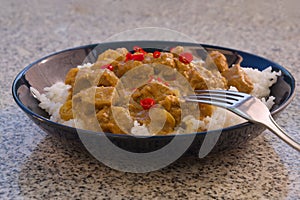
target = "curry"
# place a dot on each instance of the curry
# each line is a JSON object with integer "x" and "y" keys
{"x": 154, "y": 101}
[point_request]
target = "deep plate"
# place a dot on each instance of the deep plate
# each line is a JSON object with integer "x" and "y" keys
{"x": 50, "y": 69}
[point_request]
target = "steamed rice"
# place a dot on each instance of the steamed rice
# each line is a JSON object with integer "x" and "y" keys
{"x": 55, "y": 96}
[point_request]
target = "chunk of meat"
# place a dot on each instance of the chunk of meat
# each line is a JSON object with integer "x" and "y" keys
{"x": 177, "y": 50}
{"x": 124, "y": 67}
{"x": 100, "y": 64}
{"x": 102, "y": 97}
{"x": 86, "y": 78}
{"x": 123, "y": 51}
{"x": 238, "y": 78}
{"x": 110, "y": 57}
{"x": 148, "y": 58}
{"x": 70, "y": 94}
{"x": 71, "y": 76}
{"x": 172, "y": 105}
{"x": 165, "y": 59}
{"x": 162, "y": 95}
{"x": 162, "y": 122}
{"x": 182, "y": 68}
{"x": 166, "y": 73}
{"x": 107, "y": 122}
{"x": 122, "y": 117}
{"x": 65, "y": 111}
{"x": 154, "y": 90}
{"x": 196, "y": 80}
{"x": 201, "y": 78}
{"x": 107, "y": 78}
{"x": 205, "y": 110}
{"x": 110, "y": 54}
{"x": 219, "y": 60}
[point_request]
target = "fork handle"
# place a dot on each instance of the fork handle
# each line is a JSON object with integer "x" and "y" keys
{"x": 275, "y": 128}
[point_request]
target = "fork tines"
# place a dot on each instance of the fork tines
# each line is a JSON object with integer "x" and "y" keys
{"x": 223, "y": 92}
{"x": 222, "y": 98}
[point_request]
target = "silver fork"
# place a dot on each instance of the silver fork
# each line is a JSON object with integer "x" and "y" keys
{"x": 244, "y": 105}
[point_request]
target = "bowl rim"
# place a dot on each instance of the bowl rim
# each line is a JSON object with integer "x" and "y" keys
{"x": 92, "y": 46}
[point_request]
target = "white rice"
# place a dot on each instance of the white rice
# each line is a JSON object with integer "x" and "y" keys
{"x": 52, "y": 99}
{"x": 55, "y": 96}
{"x": 139, "y": 129}
{"x": 262, "y": 81}
{"x": 86, "y": 65}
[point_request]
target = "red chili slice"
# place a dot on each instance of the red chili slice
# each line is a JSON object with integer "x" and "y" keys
{"x": 147, "y": 103}
{"x": 138, "y": 57}
{"x": 108, "y": 66}
{"x": 139, "y": 50}
{"x": 128, "y": 56}
{"x": 136, "y": 48}
{"x": 185, "y": 57}
{"x": 156, "y": 54}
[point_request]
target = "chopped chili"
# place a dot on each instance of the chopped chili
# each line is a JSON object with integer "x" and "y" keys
{"x": 128, "y": 56}
{"x": 139, "y": 50}
{"x": 156, "y": 54}
{"x": 185, "y": 57}
{"x": 147, "y": 103}
{"x": 138, "y": 57}
{"x": 108, "y": 66}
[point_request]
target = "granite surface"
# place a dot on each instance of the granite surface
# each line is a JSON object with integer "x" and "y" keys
{"x": 34, "y": 165}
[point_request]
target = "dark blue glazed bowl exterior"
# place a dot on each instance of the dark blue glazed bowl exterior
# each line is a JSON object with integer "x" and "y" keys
{"x": 52, "y": 68}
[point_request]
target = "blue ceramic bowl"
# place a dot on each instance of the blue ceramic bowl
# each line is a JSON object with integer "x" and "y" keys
{"x": 52, "y": 68}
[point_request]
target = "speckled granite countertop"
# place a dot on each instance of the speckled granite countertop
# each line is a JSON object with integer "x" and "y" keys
{"x": 36, "y": 166}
